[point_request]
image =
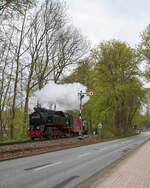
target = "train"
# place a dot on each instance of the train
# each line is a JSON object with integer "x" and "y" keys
{"x": 48, "y": 124}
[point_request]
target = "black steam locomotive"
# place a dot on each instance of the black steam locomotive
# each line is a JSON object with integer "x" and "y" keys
{"x": 52, "y": 124}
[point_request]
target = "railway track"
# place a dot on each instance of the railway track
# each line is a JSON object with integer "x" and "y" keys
{"x": 30, "y": 141}
{"x": 28, "y": 148}
{"x": 13, "y": 143}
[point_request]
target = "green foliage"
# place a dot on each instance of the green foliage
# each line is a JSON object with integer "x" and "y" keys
{"x": 144, "y": 51}
{"x": 20, "y": 126}
{"x": 81, "y": 73}
{"x": 17, "y": 139}
{"x": 118, "y": 93}
{"x": 112, "y": 73}
{"x": 144, "y": 47}
{"x": 142, "y": 120}
{"x": 73, "y": 112}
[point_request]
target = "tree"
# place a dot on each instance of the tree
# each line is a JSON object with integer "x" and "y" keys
{"x": 144, "y": 49}
{"x": 53, "y": 46}
{"x": 13, "y": 37}
{"x": 69, "y": 49}
{"x": 6, "y": 72}
{"x": 41, "y": 38}
{"x": 81, "y": 74}
{"x": 37, "y": 48}
{"x": 19, "y": 53}
{"x": 145, "y": 43}
{"x": 118, "y": 93}
{"x": 14, "y": 5}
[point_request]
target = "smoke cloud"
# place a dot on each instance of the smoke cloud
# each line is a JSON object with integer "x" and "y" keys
{"x": 65, "y": 96}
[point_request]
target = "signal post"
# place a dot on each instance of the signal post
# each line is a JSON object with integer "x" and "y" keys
{"x": 81, "y": 97}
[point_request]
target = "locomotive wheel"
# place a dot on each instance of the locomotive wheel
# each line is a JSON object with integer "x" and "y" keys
{"x": 71, "y": 134}
{"x": 41, "y": 138}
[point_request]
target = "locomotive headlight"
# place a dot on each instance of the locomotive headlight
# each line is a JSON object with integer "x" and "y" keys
{"x": 37, "y": 127}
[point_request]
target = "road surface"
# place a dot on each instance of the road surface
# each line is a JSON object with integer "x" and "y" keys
{"x": 66, "y": 168}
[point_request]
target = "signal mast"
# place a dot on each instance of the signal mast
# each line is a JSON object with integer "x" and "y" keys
{"x": 81, "y": 95}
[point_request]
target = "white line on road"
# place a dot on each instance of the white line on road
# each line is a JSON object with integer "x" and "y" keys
{"x": 84, "y": 154}
{"x": 50, "y": 165}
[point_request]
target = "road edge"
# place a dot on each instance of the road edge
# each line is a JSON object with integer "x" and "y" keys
{"x": 98, "y": 177}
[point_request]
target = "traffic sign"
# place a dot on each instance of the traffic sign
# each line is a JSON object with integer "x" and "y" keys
{"x": 100, "y": 126}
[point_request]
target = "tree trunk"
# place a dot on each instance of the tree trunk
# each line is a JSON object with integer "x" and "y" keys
{"x": 26, "y": 106}
{"x": 118, "y": 123}
{"x": 1, "y": 128}
{"x": 16, "y": 79}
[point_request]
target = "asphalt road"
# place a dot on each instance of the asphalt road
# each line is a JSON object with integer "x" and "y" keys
{"x": 66, "y": 168}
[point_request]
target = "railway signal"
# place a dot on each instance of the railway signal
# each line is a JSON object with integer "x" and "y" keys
{"x": 90, "y": 93}
{"x": 81, "y": 97}
{"x": 87, "y": 93}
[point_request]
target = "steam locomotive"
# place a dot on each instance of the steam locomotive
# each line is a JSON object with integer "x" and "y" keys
{"x": 46, "y": 124}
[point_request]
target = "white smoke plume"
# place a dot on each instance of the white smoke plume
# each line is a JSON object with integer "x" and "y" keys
{"x": 65, "y": 96}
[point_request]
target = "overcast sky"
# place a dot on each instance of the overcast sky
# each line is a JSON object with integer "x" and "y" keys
{"x": 100, "y": 20}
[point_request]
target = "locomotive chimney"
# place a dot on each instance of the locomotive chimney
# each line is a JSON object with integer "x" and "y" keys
{"x": 38, "y": 104}
{"x": 54, "y": 107}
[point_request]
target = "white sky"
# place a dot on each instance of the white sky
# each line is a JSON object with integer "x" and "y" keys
{"x": 100, "y": 20}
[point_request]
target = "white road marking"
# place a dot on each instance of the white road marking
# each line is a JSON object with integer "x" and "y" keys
{"x": 84, "y": 154}
{"x": 50, "y": 165}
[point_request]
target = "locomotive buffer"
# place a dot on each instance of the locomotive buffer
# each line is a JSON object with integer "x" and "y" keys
{"x": 81, "y": 97}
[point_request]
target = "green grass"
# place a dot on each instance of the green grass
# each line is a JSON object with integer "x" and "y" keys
{"x": 7, "y": 140}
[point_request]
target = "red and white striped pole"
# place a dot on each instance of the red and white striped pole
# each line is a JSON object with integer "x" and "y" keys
{"x": 80, "y": 105}
{"x": 81, "y": 96}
